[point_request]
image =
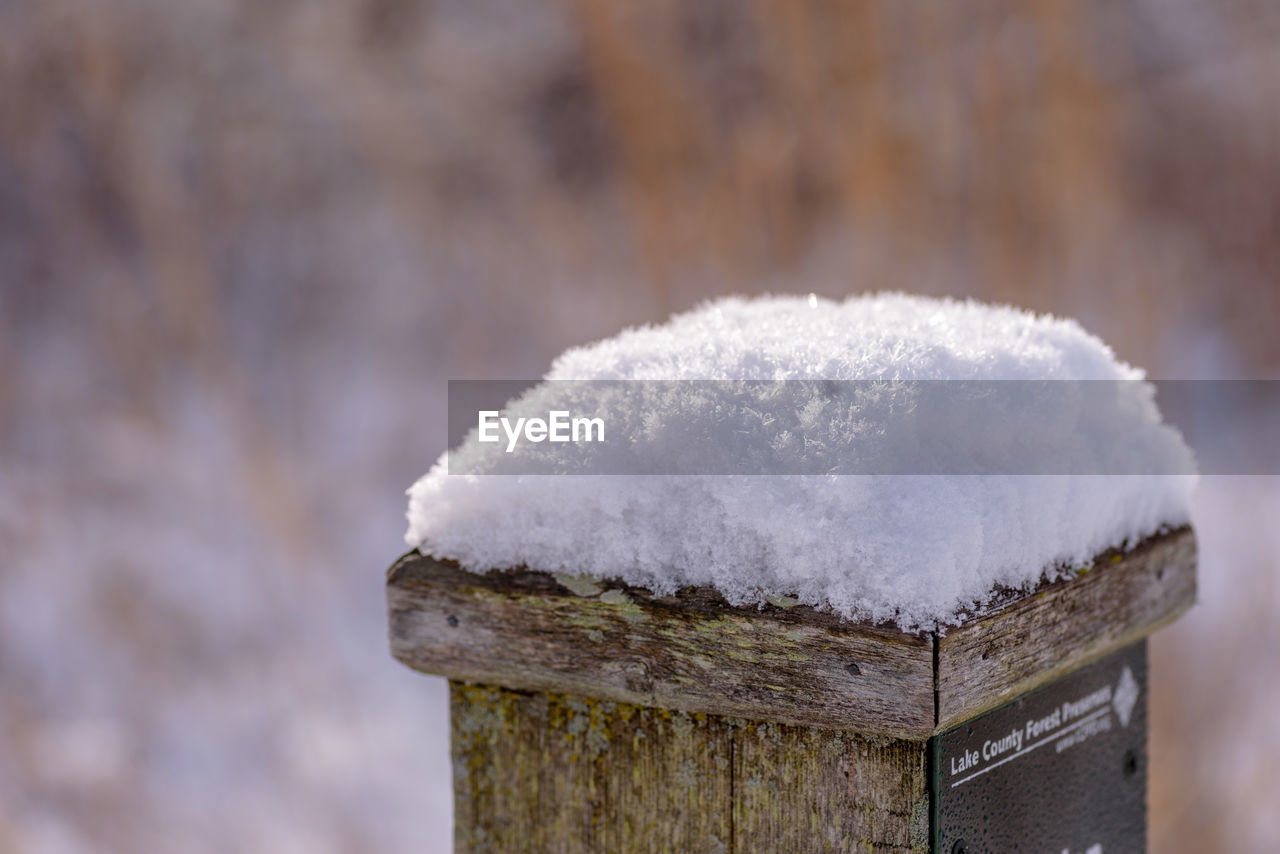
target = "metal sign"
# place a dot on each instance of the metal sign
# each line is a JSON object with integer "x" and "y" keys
{"x": 1061, "y": 770}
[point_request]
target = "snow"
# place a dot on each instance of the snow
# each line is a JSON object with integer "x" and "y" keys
{"x": 920, "y": 550}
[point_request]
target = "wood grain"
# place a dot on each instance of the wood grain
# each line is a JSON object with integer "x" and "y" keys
{"x": 633, "y": 723}
{"x": 1032, "y": 640}
{"x": 784, "y": 662}
{"x": 810, "y": 789}
{"x": 691, "y": 652}
{"x": 552, "y": 772}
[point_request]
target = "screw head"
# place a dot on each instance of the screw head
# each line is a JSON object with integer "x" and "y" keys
{"x": 961, "y": 847}
{"x": 452, "y": 621}
{"x": 853, "y": 669}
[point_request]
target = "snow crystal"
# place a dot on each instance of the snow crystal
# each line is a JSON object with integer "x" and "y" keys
{"x": 920, "y": 550}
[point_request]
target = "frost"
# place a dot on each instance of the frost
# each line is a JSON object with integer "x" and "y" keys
{"x": 915, "y": 549}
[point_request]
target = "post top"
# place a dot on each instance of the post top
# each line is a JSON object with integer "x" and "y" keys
{"x": 782, "y": 661}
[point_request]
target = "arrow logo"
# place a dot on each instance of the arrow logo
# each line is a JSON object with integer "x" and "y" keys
{"x": 1125, "y": 696}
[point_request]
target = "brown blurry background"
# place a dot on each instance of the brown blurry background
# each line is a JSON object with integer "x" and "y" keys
{"x": 244, "y": 244}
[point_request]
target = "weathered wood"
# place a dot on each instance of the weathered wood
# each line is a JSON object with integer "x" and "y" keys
{"x": 631, "y": 723}
{"x": 810, "y": 789}
{"x": 783, "y": 662}
{"x": 693, "y": 651}
{"x": 552, "y": 772}
{"x": 1034, "y": 639}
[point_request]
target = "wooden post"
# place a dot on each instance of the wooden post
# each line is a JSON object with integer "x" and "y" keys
{"x": 590, "y": 716}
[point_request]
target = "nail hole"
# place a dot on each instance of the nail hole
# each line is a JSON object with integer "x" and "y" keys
{"x": 1130, "y": 763}
{"x": 453, "y": 621}
{"x": 854, "y": 669}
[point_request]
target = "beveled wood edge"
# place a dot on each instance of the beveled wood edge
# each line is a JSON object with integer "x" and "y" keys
{"x": 691, "y": 651}
{"x": 692, "y": 600}
{"x": 1029, "y": 641}
{"x": 1069, "y": 641}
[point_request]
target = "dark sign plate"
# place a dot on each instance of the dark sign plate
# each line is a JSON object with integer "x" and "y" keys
{"x": 1062, "y": 770}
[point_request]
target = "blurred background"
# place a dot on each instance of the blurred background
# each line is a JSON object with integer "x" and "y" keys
{"x": 243, "y": 245}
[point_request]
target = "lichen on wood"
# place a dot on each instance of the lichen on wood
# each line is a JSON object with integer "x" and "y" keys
{"x": 553, "y": 772}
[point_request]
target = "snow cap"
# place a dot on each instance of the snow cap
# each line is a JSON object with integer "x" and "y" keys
{"x": 921, "y": 550}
